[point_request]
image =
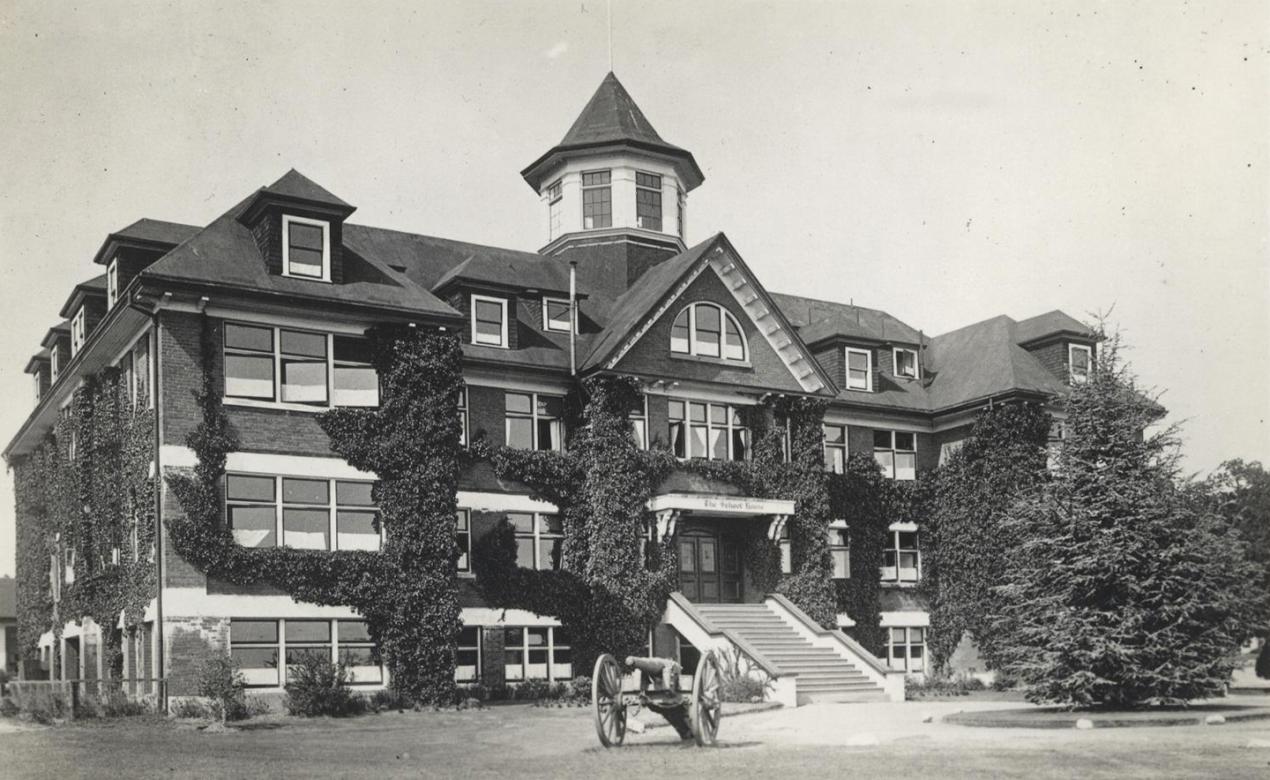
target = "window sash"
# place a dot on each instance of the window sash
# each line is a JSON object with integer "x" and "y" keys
{"x": 905, "y": 362}
{"x": 859, "y": 377}
{"x": 463, "y": 538}
{"x": 536, "y": 653}
{"x": 711, "y": 431}
{"x": 534, "y": 429}
{"x": 337, "y": 518}
{"x": 648, "y": 201}
{"x": 487, "y": 331}
{"x": 538, "y": 545}
{"x": 306, "y": 248}
{"x": 720, "y": 336}
{"x": 597, "y": 200}
{"x": 556, "y": 315}
{"x": 297, "y": 367}
{"x": 1086, "y": 354}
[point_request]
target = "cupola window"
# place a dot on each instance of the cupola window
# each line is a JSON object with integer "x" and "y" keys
{"x": 554, "y": 198}
{"x": 707, "y": 330}
{"x": 1080, "y": 360}
{"x": 647, "y": 201}
{"x": 906, "y": 363}
{"x": 306, "y": 248}
{"x": 597, "y": 200}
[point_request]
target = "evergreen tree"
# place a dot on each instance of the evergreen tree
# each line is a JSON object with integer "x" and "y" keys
{"x": 1242, "y": 490}
{"x": 1120, "y": 588}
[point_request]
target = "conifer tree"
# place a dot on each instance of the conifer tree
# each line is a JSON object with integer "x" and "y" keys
{"x": 1120, "y": 589}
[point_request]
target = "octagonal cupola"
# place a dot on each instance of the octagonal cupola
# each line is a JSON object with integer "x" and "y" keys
{"x": 612, "y": 177}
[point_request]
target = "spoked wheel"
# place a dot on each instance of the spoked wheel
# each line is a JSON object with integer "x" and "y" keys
{"x": 706, "y": 707}
{"x": 606, "y": 699}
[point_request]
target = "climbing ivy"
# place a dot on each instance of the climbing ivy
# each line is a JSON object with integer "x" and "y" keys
{"x": 406, "y": 592}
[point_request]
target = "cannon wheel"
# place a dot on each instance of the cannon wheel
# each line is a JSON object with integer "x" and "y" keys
{"x": 706, "y": 708}
{"x": 606, "y": 700}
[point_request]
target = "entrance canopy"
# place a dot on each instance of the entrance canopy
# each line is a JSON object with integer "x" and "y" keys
{"x": 719, "y": 506}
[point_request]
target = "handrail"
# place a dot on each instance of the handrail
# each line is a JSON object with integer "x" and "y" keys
{"x": 869, "y": 658}
{"x": 753, "y": 653}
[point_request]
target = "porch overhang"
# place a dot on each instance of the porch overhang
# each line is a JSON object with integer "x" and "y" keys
{"x": 719, "y": 506}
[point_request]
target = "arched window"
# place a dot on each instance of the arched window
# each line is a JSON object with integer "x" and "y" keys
{"x": 708, "y": 330}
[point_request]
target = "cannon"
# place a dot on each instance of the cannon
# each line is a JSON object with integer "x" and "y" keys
{"x": 694, "y": 713}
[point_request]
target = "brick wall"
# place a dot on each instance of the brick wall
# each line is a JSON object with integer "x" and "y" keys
{"x": 492, "y": 667}
{"x": 189, "y": 642}
{"x": 486, "y": 409}
{"x": 1054, "y": 357}
{"x": 267, "y": 231}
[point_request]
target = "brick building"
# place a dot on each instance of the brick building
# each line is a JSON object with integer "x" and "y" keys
{"x": 291, "y": 282}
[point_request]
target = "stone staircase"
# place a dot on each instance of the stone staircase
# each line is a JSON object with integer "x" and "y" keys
{"x": 822, "y": 674}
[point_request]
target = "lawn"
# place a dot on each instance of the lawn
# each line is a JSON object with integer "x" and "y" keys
{"x": 526, "y": 741}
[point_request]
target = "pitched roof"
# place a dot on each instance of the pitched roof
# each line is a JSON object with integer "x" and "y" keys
{"x": 426, "y": 259}
{"x": 146, "y": 231}
{"x": 818, "y": 320}
{"x": 32, "y": 365}
{"x": 507, "y": 269}
{"x": 1050, "y": 323}
{"x": 60, "y": 329}
{"x": 294, "y": 184}
{"x": 983, "y": 360}
{"x": 95, "y": 287}
{"x": 8, "y": 597}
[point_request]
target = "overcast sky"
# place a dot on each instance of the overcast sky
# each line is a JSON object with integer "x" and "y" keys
{"x": 946, "y": 162}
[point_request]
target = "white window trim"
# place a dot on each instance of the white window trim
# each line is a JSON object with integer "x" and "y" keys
{"x": 868, "y": 377}
{"x": 79, "y": 330}
{"x": 287, "y": 219}
{"x": 693, "y": 344}
{"x": 1089, "y": 354}
{"x": 53, "y": 363}
{"x": 533, "y": 417}
{"x": 895, "y": 451}
{"x": 276, "y": 403}
{"x": 465, "y": 572}
{"x": 546, "y": 322}
{"x": 555, "y": 208}
{"x": 524, "y": 650}
{"x": 332, "y": 506}
{"x": 841, "y": 525}
{"x": 727, "y": 427}
{"x": 917, "y": 369}
{"x": 502, "y": 302}
{"x": 112, "y": 283}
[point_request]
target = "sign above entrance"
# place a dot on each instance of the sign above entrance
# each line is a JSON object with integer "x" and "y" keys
{"x": 720, "y": 505}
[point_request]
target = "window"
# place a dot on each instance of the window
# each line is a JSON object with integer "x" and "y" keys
{"x": 597, "y": 200}
{"x": 556, "y": 315}
{"x": 647, "y": 201}
{"x": 1080, "y": 360}
{"x": 357, "y": 652}
{"x": 306, "y": 248}
{"x": 711, "y": 431}
{"x": 949, "y": 449}
{"x": 536, "y": 653}
{"x": 533, "y": 421}
{"x": 906, "y": 649}
{"x": 253, "y": 645}
{"x": 840, "y": 549}
{"x": 467, "y": 660}
{"x": 462, "y": 404}
{"x": 859, "y": 369}
{"x": 906, "y": 362}
{"x": 79, "y": 330}
{"x": 835, "y": 448}
{"x": 463, "y": 537}
{"x": 539, "y": 540}
{"x": 264, "y": 363}
{"x": 786, "y": 552}
{"x": 638, "y": 416}
{"x": 261, "y": 509}
{"x": 1054, "y": 445}
{"x": 141, "y": 396}
{"x": 896, "y": 453}
{"x": 554, "y": 196}
{"x": 55, "y": 362}
{"x": 682, "y": 217}
{"x": 112, "y": 283}
{"x": 257, "y": 646}
{"x": 901, "y": 558}
{"x": 489, "y": 321}
{"x": 707, "y": 330}
{"x": 307, "y": 639}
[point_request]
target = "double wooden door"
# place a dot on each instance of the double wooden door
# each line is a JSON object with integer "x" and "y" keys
{"x": 709, "y": 566}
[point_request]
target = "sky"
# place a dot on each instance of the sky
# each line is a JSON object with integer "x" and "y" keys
{"x": 944, "y": 161}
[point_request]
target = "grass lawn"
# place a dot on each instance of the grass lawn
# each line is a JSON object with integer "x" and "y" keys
{"x": 525, "y": 741}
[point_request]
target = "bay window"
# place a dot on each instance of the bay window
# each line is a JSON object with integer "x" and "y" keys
{"x": 896, "y": 453}
{"x": 710, "y": 431}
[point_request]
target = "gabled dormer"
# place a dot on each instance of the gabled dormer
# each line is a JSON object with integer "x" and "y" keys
{"x": 38, "y": 368}
{"x": 1065, "y": 346}
{"x": 298, "y": 227}
{"x": 58, "y": 343}
{"x": 126, "y": 252}
{"x": 84, "y": 309}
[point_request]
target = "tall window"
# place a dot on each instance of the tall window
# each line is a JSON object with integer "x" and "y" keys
{"x": 707, "y": 330}
{"x": 489, "y": 321}
{"x": 682, "y": 217}
{"x": 306, "y": 248}
{"x": 711, "y": 431}
{"x": 786, "y": 552}
{"x": 536, "y": 653}
{"x": 253, "y": 646}
{"x": 55, "y": 362}
{"x": 835, "y": 448}
{"x": 462, "y": 404}
{"x": 141, "y": 372}
{"x": 905, "y": 362}
{"x": 314, "y": 369}
{"x": 840, "y": 549}
{"x": 896, "y": 453}
{"x": 261, "y": 509}
{"x": 906, "y": 649}
{"x": 112, "y": 283}
{"x": 79, "y": 330}
{"x": 539, "y": 540}
{"x": 1080, "y": 359}
{"x": 639, "y": 422}
{"x": 554, "y": 197}
{"x": 859, "y": 369}
{"x": 463, "y": 536}
{"x": 357, "y": 652}
{"x": 534, "y": 421}
{"x": 647, "y": 201}
{"x": 597, "y": 200}
{"x": 556, "y": 315}
{"x": 467, "y": 659}
{"x": 901, "y": 557}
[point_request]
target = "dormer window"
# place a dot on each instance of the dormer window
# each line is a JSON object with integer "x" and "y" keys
{"x": 707, "y": 330}
{"x": 597, "y": 200}
{"x": 859, "y": 369}
{"x": 554, "y": 196}
{"x": 648, "y": 201}
{"x": 55, "y": 362}
{"x": 906, "y": 362}
{"x": 112, "y": 284}
{"x": 306, "y": 248}
{"x": 555, "y": 314}
{"x": 79, "y": 331}
{"x": 489, "y": 321}
{"x": 1080, "y": 360}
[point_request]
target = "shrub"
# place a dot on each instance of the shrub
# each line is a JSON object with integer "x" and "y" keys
{"x": 220, "y": 681}
{"x": 4, "y": 680}
{"x": 193, "y": 708}
{"x": 389, "y": 699}
{"x": 319, "y": 687}
{"x": 738, "y": 681}
{"x": 532, "y": 690}
{"x": 7, "y": 708}
{"x": 917, "y": 688}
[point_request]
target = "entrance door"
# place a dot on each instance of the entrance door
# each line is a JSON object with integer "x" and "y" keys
{"x": 709, "y": 567}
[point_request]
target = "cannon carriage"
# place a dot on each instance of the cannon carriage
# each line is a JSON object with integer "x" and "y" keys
{"x": 694, "y": 712}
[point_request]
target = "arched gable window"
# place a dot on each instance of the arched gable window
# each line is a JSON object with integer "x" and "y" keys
{"x": 708, "y": 330}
